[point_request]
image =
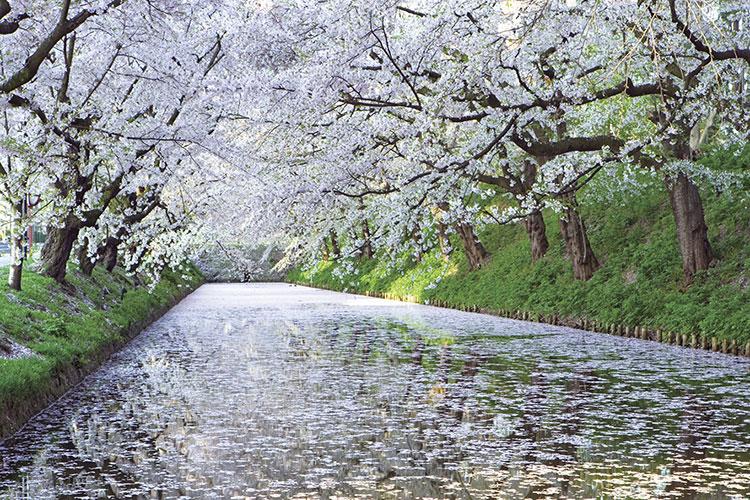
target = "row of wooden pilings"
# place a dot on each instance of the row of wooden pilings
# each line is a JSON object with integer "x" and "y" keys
{"x": 708, "y": 343}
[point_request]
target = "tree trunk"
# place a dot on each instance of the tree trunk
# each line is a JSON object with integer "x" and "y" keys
{"x": 692, "y": 232}
{"x": 57, "y": 249}
{"x": 367, "y": 252}
{"x": 324, "y": 250}
{"x": 16, "y": 261}
{"x": 537, "y": 235}
{"x": 577, "y": 244}
{"x": 476, "y": 254}
{"x": 109, "y": 253}
{"x": 85, "y": 264}
{"x": 335, "y": 249}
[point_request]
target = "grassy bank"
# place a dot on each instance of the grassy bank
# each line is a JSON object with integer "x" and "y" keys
{"x": 71, "y": 330}
{"x": 640, "y": 283}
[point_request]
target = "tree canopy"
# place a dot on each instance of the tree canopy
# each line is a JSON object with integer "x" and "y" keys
{"x": 144, "y": 131}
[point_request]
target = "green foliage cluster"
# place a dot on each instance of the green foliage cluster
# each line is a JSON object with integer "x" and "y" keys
{"x": 640, "y": 283}
{"x": 69, "y": 325}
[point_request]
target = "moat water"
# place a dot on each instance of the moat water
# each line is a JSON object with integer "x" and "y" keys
{"x": 279, "y": 391}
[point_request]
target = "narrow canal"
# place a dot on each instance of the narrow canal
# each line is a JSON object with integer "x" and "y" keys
{"x": 277, "y": 391}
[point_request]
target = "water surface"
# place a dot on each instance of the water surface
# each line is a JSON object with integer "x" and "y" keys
{"x": 276, "y": 391}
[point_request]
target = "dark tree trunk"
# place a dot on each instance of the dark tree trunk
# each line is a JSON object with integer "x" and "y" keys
{"x": 85, "y": 263}
{"x": 692, "y": 232}
{"x": 16, "y": 267}
{"x": 537, "y": 235}
{"x": 367, "y": 252}
{"x": 324, "y": 249}
{"x": 57, "y": 249}
{"x": 577, "y": 244}
{"x": 335, "y": 249}
{"x": 476, "y": 254}
{"x": 109, "y": 253}
{"x": 14, "y": 276}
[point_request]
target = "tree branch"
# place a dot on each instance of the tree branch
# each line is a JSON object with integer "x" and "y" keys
{"x": 63, "y": 27}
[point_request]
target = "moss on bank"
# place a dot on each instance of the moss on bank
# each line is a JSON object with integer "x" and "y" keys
{"x": 640, "y": 283}
{"x": 71, "y": 329}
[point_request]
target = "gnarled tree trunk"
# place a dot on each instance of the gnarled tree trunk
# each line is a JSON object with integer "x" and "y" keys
{"x": 476, "y": 254}
{"x": 577, "y": 243}
{"x": 692, "y": 232}
{"x": 57, "y": 248}
{"x": 85, "y": 264}
{"x": 335, "y": 249}
{"x": 537, "y": 231}
{"x": 108, "y": 255}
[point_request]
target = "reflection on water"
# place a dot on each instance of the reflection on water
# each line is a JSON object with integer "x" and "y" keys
{"x": 247, "y": 391}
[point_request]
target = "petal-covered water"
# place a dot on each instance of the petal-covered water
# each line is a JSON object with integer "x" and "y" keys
{"x": 276, "y": 391}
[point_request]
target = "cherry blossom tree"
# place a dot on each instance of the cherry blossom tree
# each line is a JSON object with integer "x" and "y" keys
{"x": 533, "y": 100}
{"x": 146, "y": 130}
{"x": 126, "y": 99}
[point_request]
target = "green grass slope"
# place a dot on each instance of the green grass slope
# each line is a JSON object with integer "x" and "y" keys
{"x": 69, "y": 328}
{"x": 640, "y": 283}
